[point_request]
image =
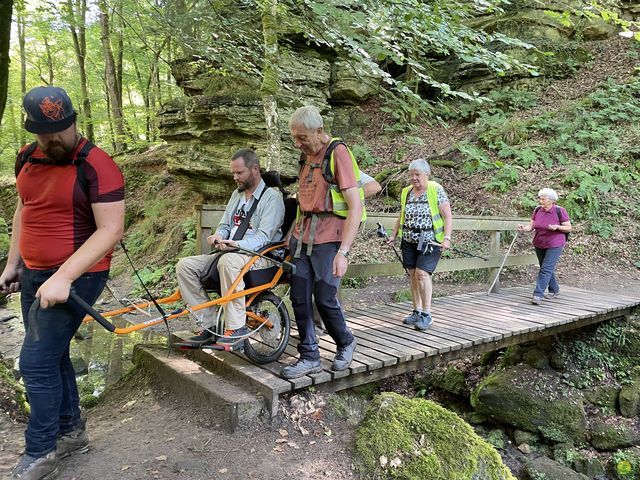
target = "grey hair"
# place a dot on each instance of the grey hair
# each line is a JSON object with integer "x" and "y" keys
{"x": 420, "y": 165}
{"x": 550, "y": 193}
{"x": 308, "y": 116}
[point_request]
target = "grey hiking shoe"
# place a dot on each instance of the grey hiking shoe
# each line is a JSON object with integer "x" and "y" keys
{"x": 235, "y": 338}
{"x": 411, "y": 319}
{"x": 551, "y": 295}
{"x": 536, "y": 300}
{"x": 40, "y": 468}
{"x": 424, "y": 322}
{"x": 300, "y": 368}
{"x": 344, "y": 356}
{"x": 76, "y": 441}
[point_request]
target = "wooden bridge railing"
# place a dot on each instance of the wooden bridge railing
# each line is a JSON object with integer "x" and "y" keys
{"x": 209, "y": 216}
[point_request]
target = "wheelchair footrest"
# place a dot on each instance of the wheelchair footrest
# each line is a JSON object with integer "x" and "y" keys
{"x": 238, "y": 347}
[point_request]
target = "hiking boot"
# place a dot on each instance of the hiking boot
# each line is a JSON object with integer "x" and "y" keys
{"x": 76, "y": 441}
{"x": 424, "y": 322}
{"x": 412, "y": 319}
{"x": 234, "y": 337}
{"x": 344, "y": 356}
{"x": 551, "y": 295}
{"x": 40, "y": 468}
{"x": 204, "y": 337}
{"x": 536, "y": 300}
{"x": 301, "y": 368}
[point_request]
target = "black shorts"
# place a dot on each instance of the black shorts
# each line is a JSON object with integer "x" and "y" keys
{"x": 411, "y": 258}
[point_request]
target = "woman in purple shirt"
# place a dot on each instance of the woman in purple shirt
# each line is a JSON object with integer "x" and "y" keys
{"x": 552, "y": 226}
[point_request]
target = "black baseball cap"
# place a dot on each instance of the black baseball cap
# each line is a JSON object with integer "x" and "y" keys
{"x": 49, "y": 110}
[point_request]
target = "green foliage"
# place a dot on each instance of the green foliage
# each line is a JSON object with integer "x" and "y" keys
{"x": 508, "y": 99}
{"x": 598, "y": 356}
{"x": 402, "y": 296}
{"x": 626, "y": 464}
{"x": 354, "y": 282}
{"x": 364, "y": 156}
{"x": 585, "y": 137}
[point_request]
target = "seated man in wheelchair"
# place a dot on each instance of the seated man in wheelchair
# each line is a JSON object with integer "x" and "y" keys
{"x": 252, "y": 219}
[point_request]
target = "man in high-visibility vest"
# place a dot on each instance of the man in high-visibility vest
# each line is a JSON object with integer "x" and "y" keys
{"x": 330, "y": 211}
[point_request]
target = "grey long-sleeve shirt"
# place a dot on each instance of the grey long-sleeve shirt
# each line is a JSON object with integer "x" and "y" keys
{"x": 265, "y": 223}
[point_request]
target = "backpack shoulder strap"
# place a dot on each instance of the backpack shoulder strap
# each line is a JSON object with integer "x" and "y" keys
{"x": 80, "y": 172}
{"x": 559, "y": 213}
{"x": 24, "y": 157}
{"x": 326, "y": 161}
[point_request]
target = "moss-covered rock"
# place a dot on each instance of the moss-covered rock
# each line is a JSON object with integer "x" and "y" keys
{"x": 544, "y": 468}
{"x": 630, "y": 399}
{"x": 613, "y": 433}
{"x": 450, "y": 379}
{"x": 533, "y": 400}
{"x": 415, "y": 439}
{"x": 605, "y": 396}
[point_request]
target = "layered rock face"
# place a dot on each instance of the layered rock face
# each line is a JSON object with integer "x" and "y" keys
{"x": 223, "y": 114}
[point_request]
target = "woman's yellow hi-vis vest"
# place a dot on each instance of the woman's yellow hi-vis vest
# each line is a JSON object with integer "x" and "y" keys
{"x": 432, "y": 197}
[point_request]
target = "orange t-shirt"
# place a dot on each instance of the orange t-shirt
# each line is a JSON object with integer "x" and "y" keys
{"x": 312, "y": 194}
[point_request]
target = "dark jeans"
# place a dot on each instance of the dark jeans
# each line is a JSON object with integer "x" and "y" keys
{"x": 314, "y": 276}
{"x": 45, "y": 365}
{"x": 548, "y": 259}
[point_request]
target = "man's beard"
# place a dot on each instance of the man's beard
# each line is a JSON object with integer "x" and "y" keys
{"x": 57, "y": 153}
{"x": 246, "y": 185}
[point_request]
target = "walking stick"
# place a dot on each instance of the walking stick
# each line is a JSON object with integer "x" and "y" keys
{"x": 503, "y": 262}
{"x": 382, "y": 233}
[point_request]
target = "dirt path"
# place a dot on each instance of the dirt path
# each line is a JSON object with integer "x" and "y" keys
{"x": 140, "y": 432}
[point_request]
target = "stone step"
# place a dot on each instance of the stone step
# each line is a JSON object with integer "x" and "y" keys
{"x": 235, "y": 405}
{"x": 236, "y": 368}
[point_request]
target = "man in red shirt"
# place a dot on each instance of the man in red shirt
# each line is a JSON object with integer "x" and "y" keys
{"x": 69, "y": 216}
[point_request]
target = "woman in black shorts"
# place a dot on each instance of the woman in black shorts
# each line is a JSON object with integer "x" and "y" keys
{"x": 425, "y": 227}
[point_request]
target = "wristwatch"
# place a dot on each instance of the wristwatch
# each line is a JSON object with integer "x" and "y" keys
{"x": 344, "y": 252}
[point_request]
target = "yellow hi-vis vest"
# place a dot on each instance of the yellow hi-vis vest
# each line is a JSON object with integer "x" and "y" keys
{"x": 432, "y": 197}
{"x": 340, "y": 207}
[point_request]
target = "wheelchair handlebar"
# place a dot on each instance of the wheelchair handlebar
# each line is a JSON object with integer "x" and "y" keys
{"x": 35, "y": 308}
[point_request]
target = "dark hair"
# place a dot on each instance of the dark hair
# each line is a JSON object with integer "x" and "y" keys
{"x": 249, "y": 156}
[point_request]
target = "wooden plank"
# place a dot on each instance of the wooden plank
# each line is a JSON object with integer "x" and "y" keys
{"x": 454, "y": 343}
{"x": 366, "y": 323}
{"x": 632, "y": 301}
{"x": 465, "y": 339}
{"x": 398, "y": 333}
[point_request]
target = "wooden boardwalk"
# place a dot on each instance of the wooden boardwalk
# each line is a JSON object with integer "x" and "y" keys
{"x": 464, "y": 325}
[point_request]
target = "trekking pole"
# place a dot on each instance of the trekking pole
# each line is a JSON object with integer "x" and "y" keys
{"x": 461, "y": 252}
{"x": 382, "y": 233}
{"x": 503, "y": 262}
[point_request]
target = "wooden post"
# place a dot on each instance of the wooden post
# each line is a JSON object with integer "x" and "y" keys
{"x": 494, "y": 251}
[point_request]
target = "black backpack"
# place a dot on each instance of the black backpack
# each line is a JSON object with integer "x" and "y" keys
{"x": 559, "y": 213}
{"x": 25, "y": 157}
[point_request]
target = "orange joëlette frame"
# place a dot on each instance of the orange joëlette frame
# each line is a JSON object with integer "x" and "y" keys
{"x": 250, "y": 293}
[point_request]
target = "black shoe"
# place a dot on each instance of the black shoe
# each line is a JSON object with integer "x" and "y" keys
{"x": 205, "y": 337}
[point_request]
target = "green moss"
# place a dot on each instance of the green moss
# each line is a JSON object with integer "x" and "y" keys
{"x": 13, "y": 387}
{"x": 425, "y": 440}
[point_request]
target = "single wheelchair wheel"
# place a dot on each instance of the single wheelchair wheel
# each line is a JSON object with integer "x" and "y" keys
{"x": 267, "y": 343}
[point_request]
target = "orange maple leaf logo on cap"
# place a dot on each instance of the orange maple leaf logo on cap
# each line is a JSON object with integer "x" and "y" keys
{"x": 52, "y": 110}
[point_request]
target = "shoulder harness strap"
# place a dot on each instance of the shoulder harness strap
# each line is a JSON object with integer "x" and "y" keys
{"x": 24, "y": 157}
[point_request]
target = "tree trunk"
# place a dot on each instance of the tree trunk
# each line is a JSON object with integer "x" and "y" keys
{"x": 23, "y": 66}
{"x": 76, "y": 18}
{"x": 6, "y": 9}
{"x": 112, "y": 80}
{"x": 47, "y": 48}
{"x": 270, "y": 80}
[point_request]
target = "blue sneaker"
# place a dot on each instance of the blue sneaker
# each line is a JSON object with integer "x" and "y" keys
{"x": 412, "y": 319}
{"x": 234, "y": 337}
{"x": 423, "y": 322}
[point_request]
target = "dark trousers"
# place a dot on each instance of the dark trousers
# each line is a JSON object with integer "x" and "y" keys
{"x": 45, "y": 365}
{"x": 314, "y": 277}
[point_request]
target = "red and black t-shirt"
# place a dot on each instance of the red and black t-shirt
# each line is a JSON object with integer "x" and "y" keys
{"x": 56, "y": 214}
